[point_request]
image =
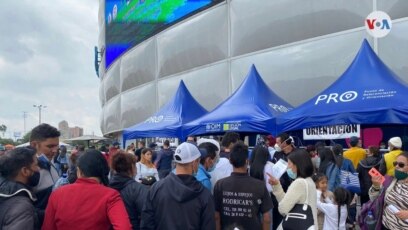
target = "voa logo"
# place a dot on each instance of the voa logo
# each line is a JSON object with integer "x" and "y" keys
{"x": 336, "y": 98}
{"x": 378, "y": 24}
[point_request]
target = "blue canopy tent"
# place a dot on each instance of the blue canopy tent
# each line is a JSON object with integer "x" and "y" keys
{"x": 168, "y": 121}
{"x": 251, "y": 108}
{"x": 368, "y": 92}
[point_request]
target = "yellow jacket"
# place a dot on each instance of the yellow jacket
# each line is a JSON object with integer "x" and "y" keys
{"x": 355, "y": 154}
{"x": 389, "y": 160}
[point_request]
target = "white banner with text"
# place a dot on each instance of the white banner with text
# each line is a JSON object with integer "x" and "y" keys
{"x": 331, "y": 132}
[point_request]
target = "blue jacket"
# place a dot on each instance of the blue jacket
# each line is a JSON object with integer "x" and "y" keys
{"x": 347, "y": 165}
{"x": 203, "y": 177}
{"x": 333, "y": 175}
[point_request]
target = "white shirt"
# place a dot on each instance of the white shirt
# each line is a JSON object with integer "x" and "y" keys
{"x": 268, "y": 169}
{"x": 144, "y": 171}
{"x": 331, "y": 214}
{"x": 222, "y": 169}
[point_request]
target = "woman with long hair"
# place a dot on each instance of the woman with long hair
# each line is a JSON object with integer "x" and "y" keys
{"x": 300, "y": 169}
{"x": 260, "y": 165}
{"x": 145, "y": 166}
{"x": 329, "y": 167}
{"x": 133, "y": 194}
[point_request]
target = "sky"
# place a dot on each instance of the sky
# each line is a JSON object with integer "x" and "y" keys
{"x": 47, "y": 58}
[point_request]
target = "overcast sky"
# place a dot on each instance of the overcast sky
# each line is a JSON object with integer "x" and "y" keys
{"x": 47, "y": 57}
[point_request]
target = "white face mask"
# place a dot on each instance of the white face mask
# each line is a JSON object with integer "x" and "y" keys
{"x": 277, "y": 148}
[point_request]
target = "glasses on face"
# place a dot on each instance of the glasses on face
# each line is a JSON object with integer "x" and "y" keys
{"x": 400, "y": 164}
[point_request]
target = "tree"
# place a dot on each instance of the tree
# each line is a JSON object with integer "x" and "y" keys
{"x": 3, "y": 129}
{"x": 26, "y": 137}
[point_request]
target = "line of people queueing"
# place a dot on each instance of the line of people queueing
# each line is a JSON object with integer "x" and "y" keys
{"x": 211, "y": 186}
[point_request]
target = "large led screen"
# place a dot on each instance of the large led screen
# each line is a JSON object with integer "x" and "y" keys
{"x": 129, "y": 22}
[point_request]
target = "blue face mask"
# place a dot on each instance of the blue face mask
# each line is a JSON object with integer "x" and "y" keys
{"x": 291, "y": 174}
{"x": 213, "y": 166}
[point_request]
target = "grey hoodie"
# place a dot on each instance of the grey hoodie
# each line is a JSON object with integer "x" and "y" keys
{"x": 16, "y": 206}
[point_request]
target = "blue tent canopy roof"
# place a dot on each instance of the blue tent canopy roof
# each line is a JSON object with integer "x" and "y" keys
{"x": 368, "y": 92}
{"x": 168, "y": 121}
{"x": 251, "y": 108}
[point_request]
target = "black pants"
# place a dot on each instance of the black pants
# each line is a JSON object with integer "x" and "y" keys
{"x": 276, "y": 216}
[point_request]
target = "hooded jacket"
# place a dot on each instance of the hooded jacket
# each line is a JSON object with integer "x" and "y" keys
{"x": 16, "y": 206}
{"x": 164, "y": 159}
{"x": 363, "y": 167}
{"x": 203, "y": 177}
{"x": 133, "y": 195}
{"x": 178, "y": 202}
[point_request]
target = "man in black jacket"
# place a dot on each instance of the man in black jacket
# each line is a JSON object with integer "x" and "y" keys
{"x": 164, "y": 159}
{"x": 179, "y": 201}
{"x": 19, "y": 172}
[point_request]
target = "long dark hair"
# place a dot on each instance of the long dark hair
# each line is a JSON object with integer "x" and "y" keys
{"x": 326, "y": 158}
{"x": 258, "y": 161}
{"x": 338, "y": 153}
{"x": 303, "y": 162}
{"x": 341, "y": 197}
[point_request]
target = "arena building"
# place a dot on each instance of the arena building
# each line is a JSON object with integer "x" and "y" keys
{"x": 299, "y": 48}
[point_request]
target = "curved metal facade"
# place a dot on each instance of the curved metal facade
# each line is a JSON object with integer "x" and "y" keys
{"x": 299, "y": 47}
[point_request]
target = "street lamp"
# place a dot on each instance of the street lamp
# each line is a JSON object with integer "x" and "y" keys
{"x": 39, "y": 111}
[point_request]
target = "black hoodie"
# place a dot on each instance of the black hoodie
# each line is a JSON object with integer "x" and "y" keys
{"x": 178, "y": 202}
{"x": 133, "y": 195}
{"x": 363, "y": 167}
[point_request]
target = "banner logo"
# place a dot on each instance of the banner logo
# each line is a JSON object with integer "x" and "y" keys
{"x": 213, "y": 127}
{"x": 336, "y": 98}
{"x": 231, "y": 127}
{"x": 378, "y": 24}
{"x": 154, "y": 119}
{"x": 280, "y": 108}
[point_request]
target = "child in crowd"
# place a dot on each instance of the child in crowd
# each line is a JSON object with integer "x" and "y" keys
{"x": 335, "y": 214}
{"x": 323, "y": 195}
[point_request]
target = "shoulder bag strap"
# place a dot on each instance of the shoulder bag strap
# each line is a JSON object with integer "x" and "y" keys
{"x": 307, "y": 191}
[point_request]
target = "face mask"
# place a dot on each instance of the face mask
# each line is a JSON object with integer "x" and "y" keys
{"x": 277, "y": 148}
{"x": 194, "y": 174}
{"x": 210, "y": 169}
{"x": 213, "y": 166}
{"x": 34, "y": 179}
{"x": 400, "y": 175}
{"x": 291, "y": 174}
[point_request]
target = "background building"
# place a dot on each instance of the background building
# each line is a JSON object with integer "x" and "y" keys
{"x": 299, "y": 48}
{"x": 68, "y": 132}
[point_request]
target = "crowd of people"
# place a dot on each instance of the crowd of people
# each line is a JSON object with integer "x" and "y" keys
{"x": 202, "y": 184}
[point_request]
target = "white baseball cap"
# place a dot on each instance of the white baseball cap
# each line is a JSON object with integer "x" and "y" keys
{"x": 212, "y": 141}
{"x": 186, "y": 153}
